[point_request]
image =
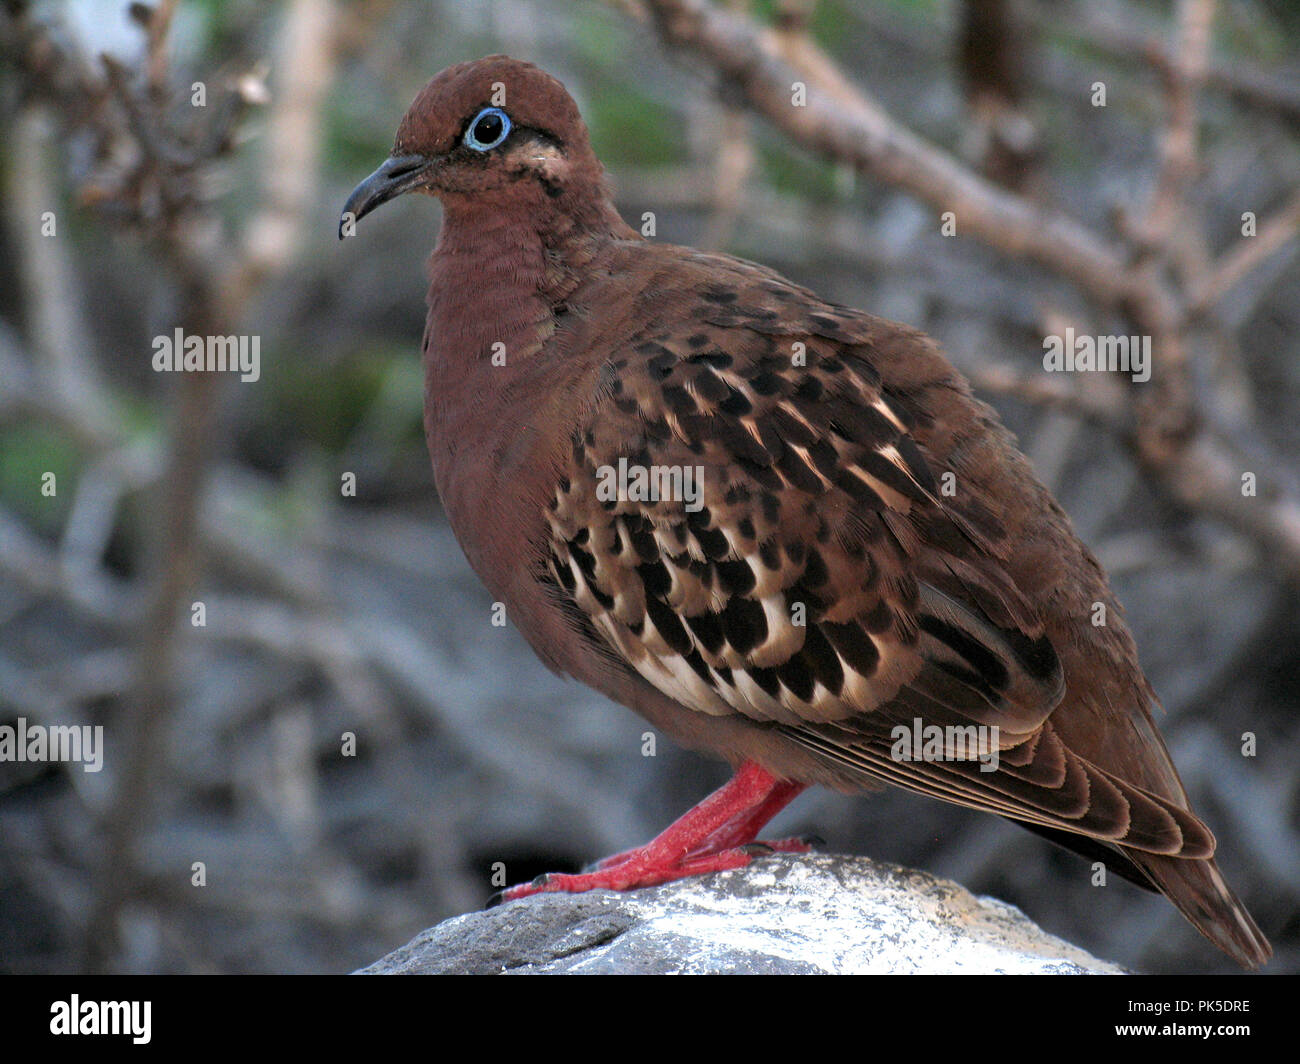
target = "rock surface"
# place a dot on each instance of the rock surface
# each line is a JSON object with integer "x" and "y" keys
{"x": 783, "y": 914}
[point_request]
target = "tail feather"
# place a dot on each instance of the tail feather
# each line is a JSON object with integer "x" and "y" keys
{"x": 1199, "y": 891}
{"x": 1195, "y": 887}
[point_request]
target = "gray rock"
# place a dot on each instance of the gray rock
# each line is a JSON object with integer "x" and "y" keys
{"x": 783, "y": 914}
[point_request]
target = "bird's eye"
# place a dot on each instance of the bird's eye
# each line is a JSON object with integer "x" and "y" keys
{"x": 489, "y": 128}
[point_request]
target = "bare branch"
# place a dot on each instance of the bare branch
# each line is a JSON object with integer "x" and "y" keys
{"x": 1096, "y": 25}
{"x": 838, "y": 121}
{"x": 1233, "y": 268}
{"x": 1002, "y": 379}
{"x": 1178, "y": 141}
{"x": 305, "y": 64}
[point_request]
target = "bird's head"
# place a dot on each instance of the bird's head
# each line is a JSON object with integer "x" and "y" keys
{"x": 482, "y": 132}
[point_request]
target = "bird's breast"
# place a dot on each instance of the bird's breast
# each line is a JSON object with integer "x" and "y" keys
{"x": 497, "y": 447}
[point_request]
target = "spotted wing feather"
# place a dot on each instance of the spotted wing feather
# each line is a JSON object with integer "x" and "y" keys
{"x": 794, "y": 553}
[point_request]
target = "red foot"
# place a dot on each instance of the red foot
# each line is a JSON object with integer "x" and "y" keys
{"x": 716, "y": 835}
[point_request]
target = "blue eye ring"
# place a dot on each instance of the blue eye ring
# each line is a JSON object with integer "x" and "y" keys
{"x": 495, "y": 136}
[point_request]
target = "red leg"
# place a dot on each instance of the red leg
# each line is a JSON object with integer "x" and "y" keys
{"x": 738, "y": 832}
{"x": 713, "y": 836}
{"x": 741, "y": 829}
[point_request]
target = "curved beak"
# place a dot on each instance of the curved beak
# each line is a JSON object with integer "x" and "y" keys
{"x": 397, "y": 174}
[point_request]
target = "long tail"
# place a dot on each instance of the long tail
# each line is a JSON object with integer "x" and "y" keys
{"x": 1202, "y": 895}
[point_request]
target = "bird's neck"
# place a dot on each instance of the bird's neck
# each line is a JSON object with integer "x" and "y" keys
{"x": 504, "y": 300}
{"x": 503, "y": 271}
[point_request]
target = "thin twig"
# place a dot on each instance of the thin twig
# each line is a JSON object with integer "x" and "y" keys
{"x": 1279, "y": 230}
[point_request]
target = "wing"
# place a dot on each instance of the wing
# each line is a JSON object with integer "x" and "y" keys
{"x": 760, "y": 524}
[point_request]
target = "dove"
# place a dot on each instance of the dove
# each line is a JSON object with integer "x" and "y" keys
{"x": 781, "y": 530}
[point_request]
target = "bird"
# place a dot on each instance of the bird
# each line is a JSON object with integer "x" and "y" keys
{"x": 782, "y": 530}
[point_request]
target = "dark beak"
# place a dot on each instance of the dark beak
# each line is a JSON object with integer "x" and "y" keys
{"x": 397, "y": 174}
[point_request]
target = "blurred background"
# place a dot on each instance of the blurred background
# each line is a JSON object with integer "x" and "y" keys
{"x": 327, "y": 614}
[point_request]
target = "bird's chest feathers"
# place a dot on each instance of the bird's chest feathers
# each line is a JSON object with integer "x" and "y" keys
{"x": 489, "y": 452}
{"x": 489, "y": 341}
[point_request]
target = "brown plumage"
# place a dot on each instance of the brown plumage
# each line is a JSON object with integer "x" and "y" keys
{"x": 864, "y": 547}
